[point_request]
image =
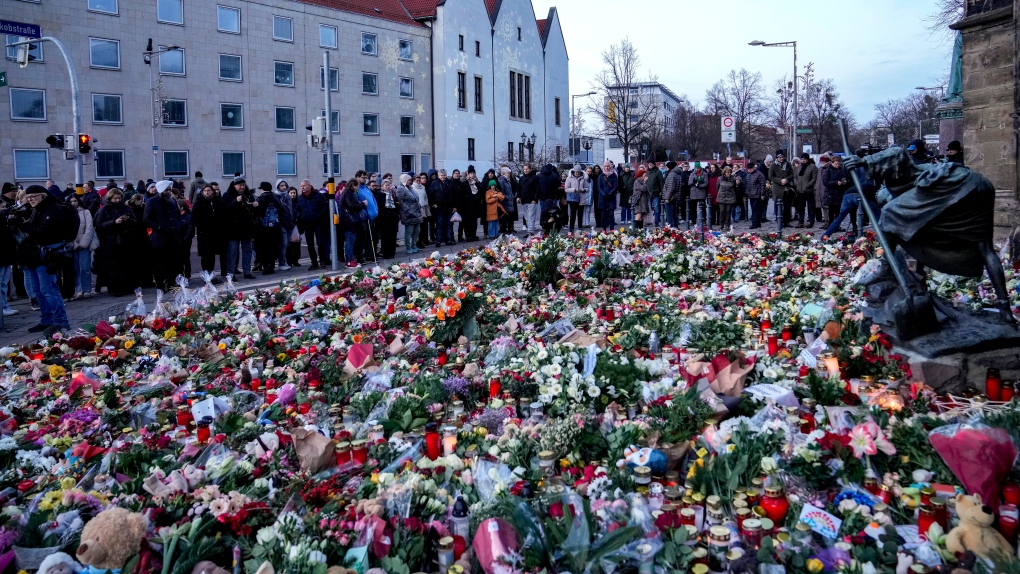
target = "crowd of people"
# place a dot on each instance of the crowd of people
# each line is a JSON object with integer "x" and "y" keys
{"x": 57, "y": 245}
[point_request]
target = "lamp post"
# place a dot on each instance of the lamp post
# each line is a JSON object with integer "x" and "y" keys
{"x": 157, "y": 106}
{"x": 793, "y": 44}
{"x": 530, "y": 144}
{"x": 573, "y": 120}
{"x": 932, "y": 88}
{"x": 587, "y": 150}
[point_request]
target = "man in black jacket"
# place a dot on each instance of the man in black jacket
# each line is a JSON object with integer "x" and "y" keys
{"x": 44, "y": 227}
{"x": 238, "y": 205}
{"x": 8, "y": 247}
{"x": 163, "y": 217}
{"x": 441, "y": 194}
{"x": 527, "y": 200}
{"x": 312, "y": 219}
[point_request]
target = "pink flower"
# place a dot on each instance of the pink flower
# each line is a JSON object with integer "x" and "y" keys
{"x": 881, "y": 442}
{"x": 862, "y": 442}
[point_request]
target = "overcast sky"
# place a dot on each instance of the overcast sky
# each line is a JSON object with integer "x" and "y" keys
{"x": 874, "y": 50}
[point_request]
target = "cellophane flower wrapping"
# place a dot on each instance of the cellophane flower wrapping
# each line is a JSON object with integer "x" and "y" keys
{"x": 495, "y": 539}
{"x": 980, "y": 456}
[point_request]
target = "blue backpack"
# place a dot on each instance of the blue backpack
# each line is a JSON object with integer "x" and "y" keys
{"x": 271, "y": 218}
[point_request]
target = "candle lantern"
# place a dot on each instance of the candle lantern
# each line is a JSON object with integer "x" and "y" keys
{"x": 993, "y": 385}
{"x": 449, "y": 440}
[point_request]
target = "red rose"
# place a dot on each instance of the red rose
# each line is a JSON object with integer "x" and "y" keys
{"x": 556, "y": 510}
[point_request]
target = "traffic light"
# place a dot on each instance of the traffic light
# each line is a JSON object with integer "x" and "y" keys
{"x": 25, "y": 53}
{"x": 56, "y": 141}
{"x": 84, "y": 143}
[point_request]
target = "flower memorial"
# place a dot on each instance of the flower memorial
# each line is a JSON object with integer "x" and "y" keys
{"x": 626, "y": 401}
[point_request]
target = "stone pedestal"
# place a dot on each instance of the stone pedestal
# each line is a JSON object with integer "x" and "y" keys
{"x": 951, "y": 124}
{"x": 953, "y": 373}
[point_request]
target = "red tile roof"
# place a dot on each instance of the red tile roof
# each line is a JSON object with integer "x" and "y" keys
{"x": 391, "y": 10}
{"x": 541, "y": 28}
{"x": 422, "y": 8}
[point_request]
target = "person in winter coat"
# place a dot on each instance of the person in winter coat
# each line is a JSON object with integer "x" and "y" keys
{"x": 781, "y": 175}
{"x": 312, "y": 220}
{"x": 187, "y": 235}
{"x": 726, "y": 195}
{"x": 91, "y": 199}
{"x": 116, "y": 257}
{"x": 268, "y": 215}
{"x": 671, "y": 195}
{"x": 163, "y": 217}
{"x": 506, "y": 187}
{"x": 354, "y": 213}
{"x": 8, "y": 247}
{"x": 754, "y": 187}
{"x": 548, "y": 183}
{"x": 714, "y": 173}
{"x": 592, "y": 214}
{"x": 206, "y": 219}
{"x": 574, "y": 187}
{"x": 608, "y": 187}
{"x": 699, "y": 191}
{"x": 626, "y": 181}
{"x": 528, "y": 200}
{"x": 805, "y": 181}
{"x": 281, "y": 190}
{"x": 388, "y": 220}
{"x": 654, "y": 183}
{"x": 294, "y": 244}
{"x": 823, "y": 166}
{"x": 239, "y": 226}
{"x": 470, "y": 205}
{"x": 420, "y": 188}
{"x": 45, "y": 225}
{"x": 409, "y": 211}
{"x": 83, "y": 248}
{"x": 442, "y": 194}
{"x": 195, "y": 189}
{"x": 838, "y": 184}
{"x": 494, "y": 209}
{"x": 641, "y": 199}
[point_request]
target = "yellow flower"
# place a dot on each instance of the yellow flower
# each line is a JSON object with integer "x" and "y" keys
{"x": 129, "y": 344}
{"x": 222, "y": 346}
{"x": 56, "y": 372}
{"x": 815, "y": 565}
{"x": 281, "y": 357}
{"x": 170, "y": 333}
{"x": 66, "y": 483}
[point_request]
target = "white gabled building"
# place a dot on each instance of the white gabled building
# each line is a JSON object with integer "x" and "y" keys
{"x": 497, "y": 73}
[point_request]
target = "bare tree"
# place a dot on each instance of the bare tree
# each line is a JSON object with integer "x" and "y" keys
{"x": 946, "y": 12}
{"x": 907, "y": 118}
{"x": 694, "y": 131}
{"x": 625, "y": 111}
{"x": 820, "y": 108}
{"x": 739, "y": 94}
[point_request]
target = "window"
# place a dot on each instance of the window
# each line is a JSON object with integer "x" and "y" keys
{"x": 405, "y": 50}
{"x": 520, "y": 151}
{"x": 558, "y": 150}
{"x": 28, "y": 105}
{"x": 372, "y": 162}
{"x": 370, "y": 124}
{"x": 557, "y": 111}
{"x": 368, "y": 44}
{"x": 471, "y": 149}
{"x": 232, "y": 116}
{"x": 106, "y": 109}
{"x": 175, "y": 113}
{"x": 109, "y": 163}
{"x": 462, "y": 90}
{"x": 104, "y": 6}
{"x": 407, "y": 125}
{"x": 334, "y": 79}
{"x": 327, "y": 36}
{"x": 520, "y": 96}
{"x": 407, "y": 162}
{"x": 171, "y": 63}
{"x": 233, "y": 162}
{"x": 170, "y": 11}
{"x": 175, "y": 163}
{"x": 510, "y": 151}
{"x": 283, "y": 74}
{"x": 478, "y": 49}
{"x": 104, "y": 53}
{"x": 31, "y": 164}
{"x": 615, "y": 143}
{"x": 230, "y": 67}
{"x": 426, "y": 161}
{"x": 228, "y": 19}
{"x": 518, "y": 33}
{"x": 334, "y": 123}
{"x": 478, "y": 93}
{"x": 460, "y": 42}
{"x": 336, "y": 164}
{"x": 406, "y": 87}
{"x": 12, "y": 52}
{"x": 286, "y": 163}
{"x": 369, "y": 84}
{"x": 283, "y": 29}
{"x": 285, "y": 119}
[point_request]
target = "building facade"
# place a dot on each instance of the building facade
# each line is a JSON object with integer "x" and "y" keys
{"x": 247, "y": 77}
{"x": 651, "y": 113}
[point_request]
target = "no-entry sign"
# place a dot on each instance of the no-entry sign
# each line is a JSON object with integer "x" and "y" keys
{"x": 728, "y": 123}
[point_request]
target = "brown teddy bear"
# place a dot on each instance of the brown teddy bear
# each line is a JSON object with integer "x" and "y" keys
{"x": 109, "y": 539}
{"x": 975, "y": 532}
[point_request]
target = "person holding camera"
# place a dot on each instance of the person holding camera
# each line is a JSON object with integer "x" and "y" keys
{"x": 46, "y": 229}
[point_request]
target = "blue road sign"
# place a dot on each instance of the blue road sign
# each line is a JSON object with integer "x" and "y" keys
{"x": 20, "y": 29}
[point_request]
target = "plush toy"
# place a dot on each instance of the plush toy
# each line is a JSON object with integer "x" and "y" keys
{"x": 208, "y": 567}
{"x": 109, "y": 539}
{"x": 975, "y": 532}
{"x": 650, "y": 457}
{"x": 370, "y": 506}
{"x": 59, "y": 563}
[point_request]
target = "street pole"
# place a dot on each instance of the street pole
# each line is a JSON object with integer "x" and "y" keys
{"x": 156, "y": 117}
{"x": 795, "y": 152}
{"x": 330, "y": 185}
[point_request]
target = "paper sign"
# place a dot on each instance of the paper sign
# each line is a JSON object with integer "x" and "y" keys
{"x": 204, "y": 408}
{"x": 780, "y": 395}
{"x": 820, "y": 521}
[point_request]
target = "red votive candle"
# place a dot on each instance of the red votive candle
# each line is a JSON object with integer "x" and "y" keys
{"x": 993, "y": 385}
{"x": 433, "y": 442}
{"x": 495, "y": 388}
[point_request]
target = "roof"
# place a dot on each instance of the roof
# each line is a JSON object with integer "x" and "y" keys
{"x": 391, "y": 10}
{"x": 422, "y": 8}
{"x": 542, "y": 25}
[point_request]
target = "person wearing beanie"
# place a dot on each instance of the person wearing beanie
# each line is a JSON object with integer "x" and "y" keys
{"x": 163, "y": 216}
{"x": 640, "y": 200}
{"x": 782, "y": 180}
{"x": 954, "y": 152}
{"x": 672, "y": 195}
{"x": 805, "y": 183}
{"x": 281, "y": 191}
{"x": 653, "y": 183}
{"x": 574, "y": 188}
{"x": 494, "y": 209}
{"x": 268, "y": 215}
{"x": 47, "y": 227}
{"x": 239, "y": 226}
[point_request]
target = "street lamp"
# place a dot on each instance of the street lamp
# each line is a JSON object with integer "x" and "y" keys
{"x": 794, "y": 152}
{"x": 157, "y": 114}
{"x": 587, "y": 150}
{"x": 932, "y": 88}
{"x": 573, "y": 118}
{"x": 530, "y": 144}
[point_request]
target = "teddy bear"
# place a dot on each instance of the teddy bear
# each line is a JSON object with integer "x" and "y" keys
{"x": 652, "y": 458}
{"x": 59, "y": 563}
{"x": 109, "y": 539}
{"x": 975, "y": 532}
{"x": 370, "y": 506}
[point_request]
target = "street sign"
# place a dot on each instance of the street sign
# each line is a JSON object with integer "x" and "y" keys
{"x": 728, "y": 123}
{"x": 803, "y": 130}
{"x": 20, "y": 29}
{"x": 3, "y": 79}
{"x": 892, "y": 139}
{"x": 729, "y": 136}
{"x": 931, "y": 139}
{"x": 809, "y": 149}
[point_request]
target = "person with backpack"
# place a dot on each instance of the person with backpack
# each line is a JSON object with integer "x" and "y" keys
{"x": 269, "y": 216}
{"x": 48, "y": 227}
{"x": 354, "y": 214}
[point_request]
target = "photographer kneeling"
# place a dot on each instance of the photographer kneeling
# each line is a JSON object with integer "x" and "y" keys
{"x": 43, "y": 234}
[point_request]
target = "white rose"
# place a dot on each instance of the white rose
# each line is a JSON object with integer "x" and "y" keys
{"x": 594, "y": 391}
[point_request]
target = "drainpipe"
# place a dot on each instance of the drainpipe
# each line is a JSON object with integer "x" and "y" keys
{"x": 432, "y": 90}
{"x": 492, "y": 90}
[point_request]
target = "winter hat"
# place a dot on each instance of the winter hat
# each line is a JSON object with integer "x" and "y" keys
{"x": 955, "y": 145}
{"x": 577, "y": 168}
{"x": 670, "y": 165}
{"x": 780, "y": 152}
{"x": 697, "y": 165}
{"x": 805, "y": 155}
{"x": 404, "y": 178}
{"x": 8, "y": 188}
{"x": 769, "y": 158}
{"x": 238, "y": 179}
{"x": 35, "y": 190}
{"x": 54, "y": 190}
{"x": 824, "y": 159}
{"x": 265, "y": 186}
{"x": 492, "y": 183}
{"x": 163, "y": 186}
{"x": 471, "y": 169}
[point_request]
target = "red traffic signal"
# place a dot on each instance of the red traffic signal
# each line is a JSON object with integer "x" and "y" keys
{"x": 84, "y": 143}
